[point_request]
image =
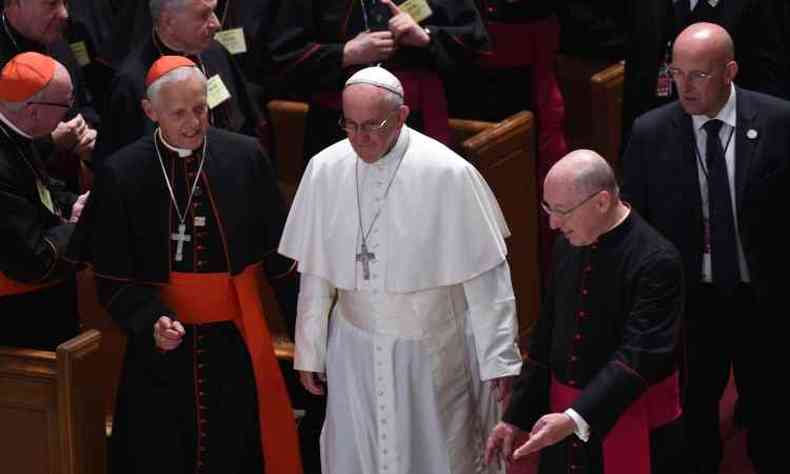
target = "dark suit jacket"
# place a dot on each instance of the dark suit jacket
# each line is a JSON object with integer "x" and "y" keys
{"x": 662, "y": 183}
{"x": 751, "y": 23}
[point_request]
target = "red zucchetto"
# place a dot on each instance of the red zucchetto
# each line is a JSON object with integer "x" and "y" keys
{"x": 25, "y": 75}
{"x": 164, "y": 65}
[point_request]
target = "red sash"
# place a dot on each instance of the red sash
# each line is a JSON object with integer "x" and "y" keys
{"x": 201, "y": 298}
{"x": 424, "y": 93}
{"x": 9, "y": 287}
{"x": 626, "y": 448}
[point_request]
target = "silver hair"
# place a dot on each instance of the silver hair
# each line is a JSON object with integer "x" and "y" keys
{"x": 391, "y": 99}
{"x": 596, "y": 175}
{"x": 178, "y": 74}
{"x": 159, "y": 6}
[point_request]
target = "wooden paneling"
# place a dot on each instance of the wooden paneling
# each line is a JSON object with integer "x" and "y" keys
{"x": 51, "y": 416}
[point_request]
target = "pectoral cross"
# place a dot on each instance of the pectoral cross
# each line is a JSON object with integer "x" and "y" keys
{"x": 180, "y": 237}
{"x": 365, "y": 257}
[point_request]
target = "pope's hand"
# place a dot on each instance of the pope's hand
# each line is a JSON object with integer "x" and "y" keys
{"x": 500, "y": 443}
{"x": 313, "y": 382}
{"x": 503, "y": 387}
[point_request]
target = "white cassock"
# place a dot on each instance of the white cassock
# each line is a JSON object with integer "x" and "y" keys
{"x": 406, "y": 351}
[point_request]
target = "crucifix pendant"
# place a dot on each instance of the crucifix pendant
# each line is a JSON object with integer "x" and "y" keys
{"x": 365, "y": 257}
{"x": 180, "y": 238}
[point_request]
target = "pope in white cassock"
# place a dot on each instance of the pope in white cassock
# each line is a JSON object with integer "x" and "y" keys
{"x": 421, "y": 342}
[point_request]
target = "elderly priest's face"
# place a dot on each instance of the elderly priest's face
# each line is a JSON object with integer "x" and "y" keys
{"x": 179, "y": 107}
{"x": 372, "y": 119}
{"x": 42, "y": 21}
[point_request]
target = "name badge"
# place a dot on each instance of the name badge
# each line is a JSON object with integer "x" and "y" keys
{"x": 664, "y": 82}
{"x": 216, "y": 91}
{"x": 45, "y": 196}
{"x": 81, "y": 53}
{"x": 418, "y": 9}
{"x": 233, "y": 40}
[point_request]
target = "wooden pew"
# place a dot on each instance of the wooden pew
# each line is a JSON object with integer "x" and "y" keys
{"x": 505, "y": 154}
{"x": 607, "y": 104}
{"x": 51, "y": 417}
{"x": 593, "y": 93}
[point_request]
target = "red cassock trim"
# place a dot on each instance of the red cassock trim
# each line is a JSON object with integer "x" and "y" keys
{"x": 626, "y": 448}
{"x": 200, "y": 298}
{"x": 9, "y": 287}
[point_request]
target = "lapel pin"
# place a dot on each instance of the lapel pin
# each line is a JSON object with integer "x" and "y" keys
{"x": 751, "y": 134}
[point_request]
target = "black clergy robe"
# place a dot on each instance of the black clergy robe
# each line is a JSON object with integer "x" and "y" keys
{"x": 193, "y": 409}
{"x": 608, "y": 327}
{"x": 132, "y": 23}
{"x": 125, "y": 120}
{"x": 306, "y": 46}
{"x": 89, "y": 30}
{"x": 37, "y": 288}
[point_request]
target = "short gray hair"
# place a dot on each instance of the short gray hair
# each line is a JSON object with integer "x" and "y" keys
{"x": 159, "y": 6}
{"x": 177, "y": 74}
{"x": 596, "y": 174}
{"x": 391, "y": 99}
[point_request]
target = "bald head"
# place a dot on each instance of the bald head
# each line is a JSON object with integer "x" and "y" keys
{"x": 703, "y": 67}
{"x": 582, "y": 199}
{"x": 583, "y": 172}
{"x": 707, "y": 39}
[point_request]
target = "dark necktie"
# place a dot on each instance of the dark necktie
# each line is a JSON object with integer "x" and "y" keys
{"x": 724, "y": 250}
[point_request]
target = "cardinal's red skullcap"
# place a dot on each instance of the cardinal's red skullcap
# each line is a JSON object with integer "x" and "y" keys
{"x": 25, "y": 75}
{"x": 164, "y": 65}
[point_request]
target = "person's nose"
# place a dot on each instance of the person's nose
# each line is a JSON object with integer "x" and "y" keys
{"x": 62, "y": 11}
{"x": 213, "y": 24}
{"x": 554, "y": 221}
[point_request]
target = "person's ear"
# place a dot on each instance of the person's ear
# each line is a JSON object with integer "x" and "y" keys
{"x": 403, "y": 113}
{"x": 730, "y": 71}
{"x": 150, "y": 110}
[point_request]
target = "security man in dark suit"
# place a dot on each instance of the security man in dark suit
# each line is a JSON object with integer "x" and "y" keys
{"x": 710, "y": 172}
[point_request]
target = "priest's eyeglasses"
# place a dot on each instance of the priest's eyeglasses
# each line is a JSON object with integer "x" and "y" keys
{"x": 66, "y": 106}
{"x": 562, "y": 213}
{"x": 368, "y": 127}
{"x": 693, "y": 77}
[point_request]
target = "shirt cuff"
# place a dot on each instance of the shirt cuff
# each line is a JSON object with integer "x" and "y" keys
{"x": 582, "y": 430}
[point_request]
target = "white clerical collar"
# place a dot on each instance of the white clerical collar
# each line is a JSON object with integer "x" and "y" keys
{"x": 727, "y": 114}
{"x": 13, "y": 127}
{"x": 182, "y": 152}
{"x": 395, "y": 152}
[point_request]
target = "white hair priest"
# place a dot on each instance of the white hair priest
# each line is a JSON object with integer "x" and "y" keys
{"x": 422, "y": 340}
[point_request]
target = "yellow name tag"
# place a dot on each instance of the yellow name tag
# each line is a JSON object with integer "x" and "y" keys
{"x": 81, "y": 53}
{"x": 233, "y": 40}
{"x": 216, "y": 91}
{"x": 46, "y": 198}
{"x": 418, "y": 9}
